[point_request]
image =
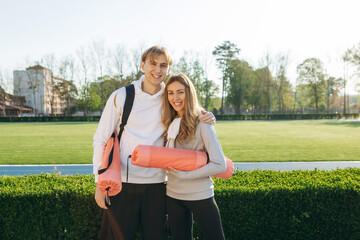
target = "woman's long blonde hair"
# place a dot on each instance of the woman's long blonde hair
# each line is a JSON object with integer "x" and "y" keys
{"x": 189, "y": 120}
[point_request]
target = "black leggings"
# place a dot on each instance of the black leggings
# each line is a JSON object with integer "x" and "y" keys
{"x": 136, "y": 204}
{"x": 206, "y": 214}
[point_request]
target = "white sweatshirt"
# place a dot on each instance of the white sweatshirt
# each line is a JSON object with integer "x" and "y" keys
{"x": 143, "y": 127}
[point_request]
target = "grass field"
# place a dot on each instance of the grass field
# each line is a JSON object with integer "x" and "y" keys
{"x": 245, "y": 141}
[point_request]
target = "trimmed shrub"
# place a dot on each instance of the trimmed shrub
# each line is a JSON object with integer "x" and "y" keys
{"x": 48, "y": 206}
{"x": 290, "y": 205}
{"x": 253, "y": 205}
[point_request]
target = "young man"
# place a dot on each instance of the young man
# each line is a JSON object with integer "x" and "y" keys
{"x": 142, "y": 198}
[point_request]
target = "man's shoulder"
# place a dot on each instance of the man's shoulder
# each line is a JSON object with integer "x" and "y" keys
{"x": 118, "y": 97}
{"x": 117, "y": 92}
{"x": 121, "y": 91}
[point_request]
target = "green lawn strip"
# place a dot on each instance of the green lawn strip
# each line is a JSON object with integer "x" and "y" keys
{"x": 245, "y": 141}
{"x": 289, "y": 140}
{"x": 46, "y": 143}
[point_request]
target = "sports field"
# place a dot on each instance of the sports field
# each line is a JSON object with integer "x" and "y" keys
{"x": 245, "y": 141}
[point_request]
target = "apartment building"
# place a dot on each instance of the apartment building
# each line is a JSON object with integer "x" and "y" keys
{"x": 12, "y": 106}
{"x": 41, "y": 89}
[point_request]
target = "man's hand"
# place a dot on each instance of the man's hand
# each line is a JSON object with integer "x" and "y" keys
{"x": 207, "y": 117}
{"x": 100, "y": 198}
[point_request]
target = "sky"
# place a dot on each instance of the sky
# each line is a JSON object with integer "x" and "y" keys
{"x": 302, "y": 29}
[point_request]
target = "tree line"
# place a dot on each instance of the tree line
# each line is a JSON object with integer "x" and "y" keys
{"x": 267, "y": 89}
{"x": 95, "y": 71}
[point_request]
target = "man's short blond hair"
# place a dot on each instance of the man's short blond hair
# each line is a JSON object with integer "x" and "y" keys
{"x": 156, "y": 51}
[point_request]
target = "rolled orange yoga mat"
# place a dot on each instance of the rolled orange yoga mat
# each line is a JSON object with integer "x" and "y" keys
{"x": 163, "y": 157}
{"x": 229, "y": 170}
{"x": 109, "y": 181}
{"x": 180, "y": 159}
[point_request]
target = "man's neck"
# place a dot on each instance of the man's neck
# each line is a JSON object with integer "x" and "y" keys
{"x": 150, "y": 89}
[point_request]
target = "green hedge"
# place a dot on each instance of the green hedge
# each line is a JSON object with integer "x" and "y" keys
{"x": 253, "y": 205}
{"x": 291, "y": 204}
{"x": 48, "y": 207}
{"x": 218, "y": 117}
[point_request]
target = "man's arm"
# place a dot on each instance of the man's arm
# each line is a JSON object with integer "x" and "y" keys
{"x": 107, "y": 124}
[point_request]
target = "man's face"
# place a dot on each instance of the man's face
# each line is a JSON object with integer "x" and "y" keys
{"x": 156, "y": 69}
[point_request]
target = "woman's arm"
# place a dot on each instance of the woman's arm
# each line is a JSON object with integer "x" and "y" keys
{"x": 217, "y": 162}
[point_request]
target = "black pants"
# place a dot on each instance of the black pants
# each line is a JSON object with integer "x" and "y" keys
{"x": 206, "y": 214}
{"x": 136, "y": 203}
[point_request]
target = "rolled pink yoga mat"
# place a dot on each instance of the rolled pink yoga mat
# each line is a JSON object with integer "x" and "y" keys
{"x": 163, "y": 157}
{"x": 109, "y": 182}
{"x": 180, "y": 159}
{"x": 229, "y": 170}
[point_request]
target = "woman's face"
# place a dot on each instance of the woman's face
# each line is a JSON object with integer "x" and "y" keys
{"x": 176, "y": 97}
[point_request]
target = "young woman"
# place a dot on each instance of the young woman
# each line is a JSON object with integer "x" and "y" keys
{"x": 190, "y": 193}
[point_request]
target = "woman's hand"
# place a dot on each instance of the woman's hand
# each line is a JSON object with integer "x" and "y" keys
{"x": 178, "y": 173}
{"x": 171, "y": 169}
{"x": 207, "y": 117}
{"x": 100, "y": 198}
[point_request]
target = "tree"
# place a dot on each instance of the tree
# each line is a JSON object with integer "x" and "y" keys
{"x": 135, "y": 62}
{"x": 118, "y": 60}
{"x": 84, "y": 66}
{"x": 209, "y": 89}
{"x": 303, "y": 102}
{"x": 49, "y": 61}
{"x": 240, "y": 79}
{"x": 332, "y": 85}
{"x": 190, "y": 65}
{"x": 351, "y": 57}
{"x": 282, "y": 86}
{"x": 91, "y": 100}
{"x": 98, "y": 51}
{"x": 224, "y": 54}
{"x": 262, "y": 90}
{"x": 67, "y": 68}
{"x": 265, "y": 84}
{"x": 311, "y": 73}
{"x": 68, "y": 89}
{"x": 107, "y": 84}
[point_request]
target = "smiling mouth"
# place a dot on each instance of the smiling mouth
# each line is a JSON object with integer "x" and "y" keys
{"x": 156, "y": 76}
{"x": 177, "y": 103}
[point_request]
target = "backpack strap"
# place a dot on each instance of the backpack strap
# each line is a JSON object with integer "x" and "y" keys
{"x": 129, "y": 100}
{"x": 130, "y": 95}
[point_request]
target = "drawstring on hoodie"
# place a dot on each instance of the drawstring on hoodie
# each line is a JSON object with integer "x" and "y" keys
{"x": 127, "y": 169}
